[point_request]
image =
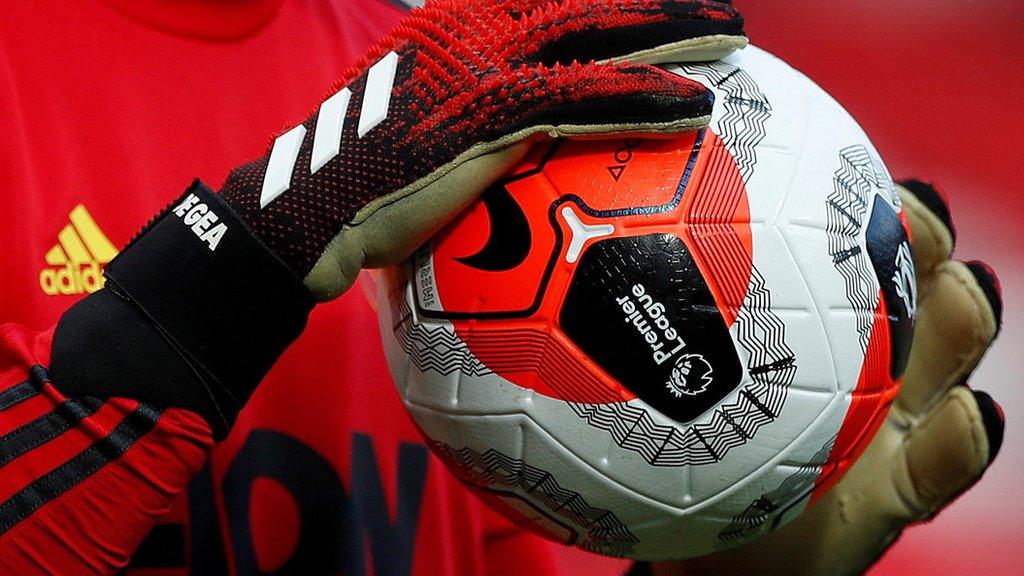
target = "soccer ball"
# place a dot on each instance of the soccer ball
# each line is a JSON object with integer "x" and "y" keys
{"x": 663, "y": 348}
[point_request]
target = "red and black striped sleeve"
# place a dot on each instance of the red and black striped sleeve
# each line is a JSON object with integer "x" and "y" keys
{"x": 83, "y": 478}
{"x": 105, "y": 418}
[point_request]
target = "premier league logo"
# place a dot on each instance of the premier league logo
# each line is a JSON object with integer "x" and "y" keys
{"x": 691, "y": 375}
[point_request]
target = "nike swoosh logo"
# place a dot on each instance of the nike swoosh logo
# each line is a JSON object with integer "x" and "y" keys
{"x": 510, "y": 239}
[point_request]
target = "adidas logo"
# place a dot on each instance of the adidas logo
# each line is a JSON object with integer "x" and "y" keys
{"x": 74, "y": 265}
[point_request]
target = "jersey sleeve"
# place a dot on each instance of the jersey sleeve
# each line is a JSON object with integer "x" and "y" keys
{"x": 84, "y": 479}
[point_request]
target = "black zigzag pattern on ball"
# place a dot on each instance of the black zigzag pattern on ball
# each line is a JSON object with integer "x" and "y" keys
{"x": 775, "y": 503}
{"x": 433, "y": 347}
{"x": 771, "y": 363}
{"x": 744, "y": 114}
{"x": 859, "y": 177}
{"x": 771, "y": 367}
{"x": 603, "y": 531}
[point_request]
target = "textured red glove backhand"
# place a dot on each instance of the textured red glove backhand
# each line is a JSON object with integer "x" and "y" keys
{"x": 458, "y": 79}
{"x": 84, "y": 479}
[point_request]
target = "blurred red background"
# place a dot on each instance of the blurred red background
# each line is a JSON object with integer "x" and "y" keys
{"x": 939, "y": 87}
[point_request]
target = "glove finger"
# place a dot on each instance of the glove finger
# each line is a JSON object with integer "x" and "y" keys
{"x": 994, "y": 419}
{"x": 948, "y": 451}
{"x": 647, "y": 31}
{"x": 988, "y": 281}
{"x": 597, "y": 99}
{"x": 956, "y": 324}
{"x": 933, "y": 198}
{"x": 931, "y": 228}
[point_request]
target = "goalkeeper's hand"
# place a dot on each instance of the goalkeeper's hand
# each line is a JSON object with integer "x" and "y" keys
{"x": 439, "y": 108}
{"x": 937, "y": 441}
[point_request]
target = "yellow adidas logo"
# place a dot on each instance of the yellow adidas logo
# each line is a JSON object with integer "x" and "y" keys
{"x": 75, "y": 262}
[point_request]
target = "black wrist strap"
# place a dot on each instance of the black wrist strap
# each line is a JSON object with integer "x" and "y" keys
{"x": 194, "y": 313}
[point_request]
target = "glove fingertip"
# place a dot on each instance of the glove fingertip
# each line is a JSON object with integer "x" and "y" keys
{"x": 990, "y": 285}
{"x": 934, "y": 199}
{"x": 994, "y": 420}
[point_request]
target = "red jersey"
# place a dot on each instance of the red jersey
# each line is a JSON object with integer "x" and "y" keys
{"x": 109, "y": 109}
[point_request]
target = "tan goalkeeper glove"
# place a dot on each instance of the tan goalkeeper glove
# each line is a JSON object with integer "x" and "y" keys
{"x": 937, "y": 441}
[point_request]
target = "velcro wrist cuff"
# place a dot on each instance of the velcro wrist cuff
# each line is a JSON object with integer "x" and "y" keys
{"x": 219, "y": 300}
